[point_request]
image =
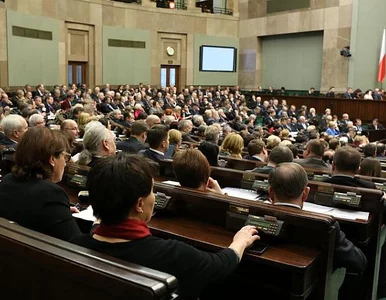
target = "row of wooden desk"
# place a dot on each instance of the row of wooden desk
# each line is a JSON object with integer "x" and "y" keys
{"x": 366, "y": 110}
{"x": 299, "y": 266}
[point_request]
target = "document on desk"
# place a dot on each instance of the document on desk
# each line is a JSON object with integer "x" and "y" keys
{"x": 338, "y": 213}
{"x": 87, "y": 214}
{"x": 240, "y": 193}
{"x": 171, "y": 182}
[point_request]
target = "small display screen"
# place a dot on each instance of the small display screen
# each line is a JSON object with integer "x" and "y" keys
{"x": 259, "y": 223}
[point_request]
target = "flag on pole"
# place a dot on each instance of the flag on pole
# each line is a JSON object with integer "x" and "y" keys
{"x": 382, "y": 59}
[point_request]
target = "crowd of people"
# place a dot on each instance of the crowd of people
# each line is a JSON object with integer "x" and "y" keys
{"x": 195, "y": 127}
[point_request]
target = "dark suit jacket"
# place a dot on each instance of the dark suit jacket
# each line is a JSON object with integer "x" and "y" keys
{"x": 250, "y": 157}
{"x": 5, "y": 141}
{"x": 314, "y": 163}
{"x": 347, "y": 95}
{"x": 132, "y": 145}
{"x": 346, "y": 254}
{"x": 152, "y": 155}
{"x": 37, "y": 204}
{"x": 350, "y": 181}
{"x": 263, "y": 170}
{"x": 380, "y": 127}
{"x": 106, "y": 108}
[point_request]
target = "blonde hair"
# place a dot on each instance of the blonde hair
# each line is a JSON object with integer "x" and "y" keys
{"x": 284, "y": 133}
{"x": 273, "y": 141}
{"x": 233, "y": 143}
{"x": 175, "y": 136}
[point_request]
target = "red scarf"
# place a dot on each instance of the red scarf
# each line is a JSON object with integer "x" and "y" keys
{"x": 130, "y": 229}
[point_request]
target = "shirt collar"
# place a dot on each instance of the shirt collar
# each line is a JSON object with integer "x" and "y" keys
{"x": 258, "y": 157}
{"x": 158, "y": 152}
{"x": 287, "y": 204}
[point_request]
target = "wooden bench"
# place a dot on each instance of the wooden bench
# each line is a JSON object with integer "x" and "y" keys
{"x": 206, "y": 221}
{"x": 297, "y": 263}
{"x": 365, "y": 234}
{"x": 41, "y": 267}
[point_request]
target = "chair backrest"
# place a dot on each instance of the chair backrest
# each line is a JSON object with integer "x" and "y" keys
{"x": 299, "y": 229}
{"x": 43, "y": 267}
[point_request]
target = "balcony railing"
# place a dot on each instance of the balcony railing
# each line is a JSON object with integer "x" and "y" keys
{"x": 179, "y": 4}
{"x": 129, "y": 1}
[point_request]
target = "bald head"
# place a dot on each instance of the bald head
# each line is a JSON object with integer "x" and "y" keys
{"x": 288, "y": 183}
{"x": 70, "y": 126}
{"x": 152, "y": 120}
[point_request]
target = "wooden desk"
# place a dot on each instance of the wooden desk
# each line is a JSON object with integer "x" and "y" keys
{"x": 366, "y": 110}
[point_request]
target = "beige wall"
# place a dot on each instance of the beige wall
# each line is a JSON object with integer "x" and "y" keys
{"x": 95, "y": 14}
{"x": 333, "y": 17}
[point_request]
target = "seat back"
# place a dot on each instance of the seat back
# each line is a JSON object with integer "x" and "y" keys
{"x": 43, "y": 267}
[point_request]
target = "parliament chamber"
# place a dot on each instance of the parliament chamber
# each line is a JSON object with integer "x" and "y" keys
{"x": 125, "y": 85}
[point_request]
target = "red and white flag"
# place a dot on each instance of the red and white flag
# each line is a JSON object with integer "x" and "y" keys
{"x": 382, "y": 59}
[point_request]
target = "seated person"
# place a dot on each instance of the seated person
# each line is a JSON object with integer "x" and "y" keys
{"x": 288, "y": 187}
{"x": 370, "y": 150}
{"x": 344, "y": 167}
{"x": 278, "y": 155}
{"x": 98, "y": 142}
{"x": 175, "y": 142}
{"x": 123, "y": 232}
{"x": 381, "y": 151}
{"x": 370, "y": 167}
{"x": 232, "y": 146}
{"x": 29, "y": 195}
{"x": 210, "y": 151}
{"x": 257, "y": 151}
{"x": 136, "y": 141}
{"x": 375, "y": 125}
{"x": 70, "y": 126}
{"x": 313, "y": 156}
{"x": 192, "y": 170}
{"x": 158, "y": 140}
{"x": 14, "y": 127}
{"x": 186, "y": 126}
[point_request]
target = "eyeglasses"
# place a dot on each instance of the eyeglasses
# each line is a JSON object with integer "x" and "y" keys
{"x": 66, "y": 155}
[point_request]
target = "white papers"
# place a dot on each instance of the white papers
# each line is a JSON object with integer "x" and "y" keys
{"x": 240, "y": 193}
{"x": 338, "y": 213}
{"x": 87, "y": 214}
{"x": 341, "y": 213}
{"x": 171, "y": 182}
{"x": 75, "y": 157}
{"x": 320, "y": 209}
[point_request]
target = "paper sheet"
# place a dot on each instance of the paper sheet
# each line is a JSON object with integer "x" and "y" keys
{"x": 341, "y": 213}
{"x": 171, "y": 182}
{"x": 338, "y": 213}
{"x": 87, "y": 214}
{"x": 240, "y": 193}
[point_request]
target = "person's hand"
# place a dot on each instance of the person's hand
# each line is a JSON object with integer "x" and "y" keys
{"x": 213, "y": 186}
{"x": 244, "y": 238}
{"x": 73, "y": 209}
{"x": 246, "y": 235}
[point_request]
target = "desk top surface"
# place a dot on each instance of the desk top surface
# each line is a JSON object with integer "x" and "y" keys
{"x": 212, "y": 237}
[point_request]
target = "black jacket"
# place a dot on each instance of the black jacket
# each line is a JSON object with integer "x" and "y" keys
{"x": 193, "y": 268}
{"x": 39, "y": 205}
{"x": 132, "y": 145}
{"x": 152, "y": 155}
{"x": 350, "y": 181}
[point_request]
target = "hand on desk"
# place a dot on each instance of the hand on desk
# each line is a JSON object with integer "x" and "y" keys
{"x": 244, "y": 238}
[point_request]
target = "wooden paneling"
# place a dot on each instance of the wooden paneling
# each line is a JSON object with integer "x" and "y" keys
{"x": 366, "y": 110}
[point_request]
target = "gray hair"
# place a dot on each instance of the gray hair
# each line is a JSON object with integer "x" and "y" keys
{"x": 12, "y": 123}
{"x": 182, "y": 124}
{"x": 212, "y": 134}
{"x": 92, "y": 140}
{"x": 35, "y": 119}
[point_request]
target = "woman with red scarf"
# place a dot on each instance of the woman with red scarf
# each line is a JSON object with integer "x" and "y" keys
{"x": 121, "y": 194}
